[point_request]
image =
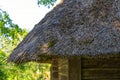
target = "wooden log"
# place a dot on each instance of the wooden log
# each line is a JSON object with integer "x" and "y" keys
{"x": 101, "y": 73}
{"x": 113, "y": 62}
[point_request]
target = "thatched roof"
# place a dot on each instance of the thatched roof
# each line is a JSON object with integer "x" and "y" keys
{"x": 75, "y": 27}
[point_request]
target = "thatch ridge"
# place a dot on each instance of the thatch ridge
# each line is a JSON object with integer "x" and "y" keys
{"x": 75, "y": 27}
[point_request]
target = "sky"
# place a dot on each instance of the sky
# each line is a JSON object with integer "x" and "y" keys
{"x": 25, "y": 13}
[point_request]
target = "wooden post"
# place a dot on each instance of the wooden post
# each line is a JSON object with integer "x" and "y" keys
{"x": 75, "y": 69}
{"x": 54, "y": 69}
{"x": 66, "y": 69}
{"x": 63, "y": 69}
{"x": 80, "y": 69}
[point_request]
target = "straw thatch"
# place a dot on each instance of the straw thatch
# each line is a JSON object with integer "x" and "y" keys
{"x": 74, "y": 27}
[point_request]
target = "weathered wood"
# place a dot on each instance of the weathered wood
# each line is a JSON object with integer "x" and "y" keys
{"x": 63, "y": 69}
{"x": 100, "y": 64}
{"x": 101, "y": 73}
{"x": 101, "y": 68}
{"x": 54, "y": 69}
{"x": 75, "y": 69}
{"x": 86, "y": 68}
{"x": 113, "y": 62}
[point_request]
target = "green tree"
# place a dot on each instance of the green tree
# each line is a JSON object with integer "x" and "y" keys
{"x": 47, "y": 3}
{"x": 10, "y": 35}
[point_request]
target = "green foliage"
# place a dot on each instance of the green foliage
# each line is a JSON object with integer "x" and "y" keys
{"x": 47, "y": 3}
{"x": 10, "y": 33}
{"x": 10, "y": 36}
{"x": 52, "y": 43}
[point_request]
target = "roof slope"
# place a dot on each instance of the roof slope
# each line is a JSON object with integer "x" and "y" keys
{"x": 75, "y": 27}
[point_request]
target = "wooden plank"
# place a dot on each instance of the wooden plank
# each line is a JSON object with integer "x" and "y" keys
{"x": 54, "y": 69}
{"x": 101, "y": 68}
{"x": 80, "y": 71}
{"x": 63, "y": 69}
{"x": 75, "y": 69}
{"x": 101, "y": 73}
{"x": 100, "y": 62}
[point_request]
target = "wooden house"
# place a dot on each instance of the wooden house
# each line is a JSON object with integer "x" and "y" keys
{"x": 80, "y": 38}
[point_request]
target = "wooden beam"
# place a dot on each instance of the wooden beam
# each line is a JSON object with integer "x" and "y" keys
{"x": 54, "y": 69}
{"x": 63, "y": 69}
{"x": 75, "y": 69}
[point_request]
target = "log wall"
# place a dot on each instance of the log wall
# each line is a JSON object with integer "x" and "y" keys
{"x": 59, "y": 69}
{"x": 101, "y": 68}
{"x": 86, "y": 68}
